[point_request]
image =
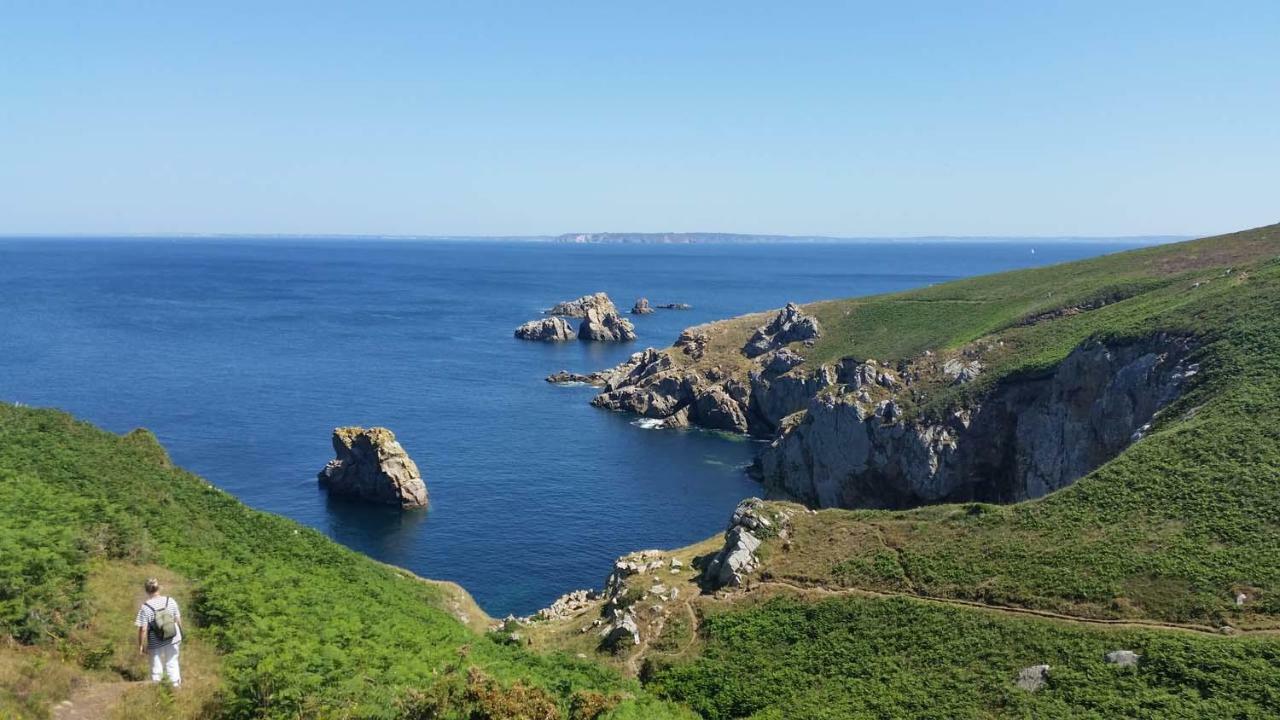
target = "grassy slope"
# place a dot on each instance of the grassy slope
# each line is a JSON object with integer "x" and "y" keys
{"x": 305, "y": 626}
{"x": 1169, "y": 530}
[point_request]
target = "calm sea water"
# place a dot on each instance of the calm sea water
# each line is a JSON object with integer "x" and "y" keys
{"x": 243, "y": 355}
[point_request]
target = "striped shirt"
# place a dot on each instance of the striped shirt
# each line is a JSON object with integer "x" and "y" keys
{"x": 147, "y": 613}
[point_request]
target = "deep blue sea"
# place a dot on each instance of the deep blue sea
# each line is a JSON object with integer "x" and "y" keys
{"x": 242, "y": 356}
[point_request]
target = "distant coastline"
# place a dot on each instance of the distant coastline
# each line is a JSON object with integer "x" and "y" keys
{"x": 612, "y": 238}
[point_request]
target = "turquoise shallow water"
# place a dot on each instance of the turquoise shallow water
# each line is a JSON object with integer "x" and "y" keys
{"x": 242, "y": 355}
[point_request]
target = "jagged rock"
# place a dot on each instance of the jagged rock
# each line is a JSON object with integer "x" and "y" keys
{"x": 960, "y": 371}
{"x": 675, "y": 306}
{"x": 737, "y": 557}
{"x": 579, "y": 307}
{"x": 1023, "y": 439}
{"x": 601, "y": 323}
{"x": 641, "y": 307}
{"x": 371, "y": 465}
{"x": 623, "y": 632}
{"x": 788, "y": 326}
{"x": 1123, "y": 658}
{"x": 552, "y": 329}
{"x": 782, "y": 361}
{"x": 715, "y": 409}
{"x": 1033, "y": 678}
{"x": 693, "y": 343}
{"x": 568, "y": 605}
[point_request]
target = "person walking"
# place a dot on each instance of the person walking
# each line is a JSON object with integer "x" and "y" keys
{"x": 159, "y": 625}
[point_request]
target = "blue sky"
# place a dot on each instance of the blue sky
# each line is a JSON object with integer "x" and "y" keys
{"x": 973, "y": 118}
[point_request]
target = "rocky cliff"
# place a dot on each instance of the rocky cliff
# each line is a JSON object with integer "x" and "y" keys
{"x": 846, "y": 434}
{"x": 371, "y": 465}
{"x": 1022, "y": 439}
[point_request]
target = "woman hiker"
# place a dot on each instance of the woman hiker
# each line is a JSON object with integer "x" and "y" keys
{"x": 159, "y": 625}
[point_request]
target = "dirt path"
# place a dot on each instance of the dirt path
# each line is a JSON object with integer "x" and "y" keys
{"x": 1008, "y": 610}
{"x": 94, "y": 701}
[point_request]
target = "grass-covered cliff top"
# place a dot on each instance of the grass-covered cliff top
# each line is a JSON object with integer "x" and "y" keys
{"x": 1023, "y": 320}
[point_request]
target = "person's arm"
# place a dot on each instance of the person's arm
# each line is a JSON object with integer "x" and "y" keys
{"x": 142, "y": 640}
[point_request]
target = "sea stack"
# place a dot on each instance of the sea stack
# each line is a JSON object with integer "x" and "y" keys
{"x": 370, "y": 465}
{"x": 641, "y": 307}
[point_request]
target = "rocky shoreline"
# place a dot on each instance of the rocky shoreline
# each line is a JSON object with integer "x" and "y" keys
{"x": 844, "y": 434}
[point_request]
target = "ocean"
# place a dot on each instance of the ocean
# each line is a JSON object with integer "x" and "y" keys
{"x": 242, "y": 355}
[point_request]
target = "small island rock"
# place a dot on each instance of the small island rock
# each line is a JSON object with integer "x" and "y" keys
{"x": 641, "y": 307}
{"x": 552, "y": 329}
{"x": 371, "y": 465}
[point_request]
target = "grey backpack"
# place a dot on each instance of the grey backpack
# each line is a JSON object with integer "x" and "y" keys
{"x": 165, "y": 622}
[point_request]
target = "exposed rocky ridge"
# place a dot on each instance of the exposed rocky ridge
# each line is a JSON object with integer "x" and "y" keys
{"x": 552, "y": 329}
{"x": 751, "y": 523}
{"x": 1023, "y": 439}
{"x": 788, "y": 326}
{"x": 371, "y": 465}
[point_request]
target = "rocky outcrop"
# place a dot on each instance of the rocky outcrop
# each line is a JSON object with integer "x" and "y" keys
{"x": 751, "y": 523}
{"x": 602, "y": 323}
{"x": 1023, "y": 439}
{"x": 1123, "y": 658}
{"x": 1034, "y": 678}
{"x": 788, "y": 326}
{"x": 675, "y": 306}
{"x": 552, "y": 329}
{"x": 641, "y": 307}
{"x": 579, "y": 307}
{"x": 370, "y": 465}
{"x": 564, "y": 377}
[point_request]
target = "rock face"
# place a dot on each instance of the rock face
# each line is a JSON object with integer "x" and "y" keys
{"x": 788, "y": 326}
{"x": 552, "y": 329}
{"x": 1024, "y": 439}
{"x": 371, "y": 465}
{"x": 578, "y": 308}
{"x": 751, "y": 522}
{"x": 641, "y": 307}
{"x": 602, "y": 323}
{"x": 655, "y": 385}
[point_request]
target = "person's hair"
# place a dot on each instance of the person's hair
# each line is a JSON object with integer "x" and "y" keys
{"x": 151, "y": 585}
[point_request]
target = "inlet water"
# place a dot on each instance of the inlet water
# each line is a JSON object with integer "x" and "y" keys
{"x": 243, "y": 355}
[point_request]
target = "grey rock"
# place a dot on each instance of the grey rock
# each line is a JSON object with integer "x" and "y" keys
{"x": 1033, "y": 678}
{"x": 675, "y": 306}
{"x": 782, "y": 361}
{"x": 620, "y": 634}
{"x": 578, "y": 308}
{"x": 1035, "y": 435}
{"x": 717, "y": 410}
{"x": 641, "y": 307}
{"x": 552, "y": 329}
{"x": 788, "y": 326}
{"x": 1123, "y": 658}
{"x": 601, "y": 323}
{"x": 371, "y": 465}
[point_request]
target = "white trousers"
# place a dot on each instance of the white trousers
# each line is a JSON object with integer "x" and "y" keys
{"x": 164, "y": 661}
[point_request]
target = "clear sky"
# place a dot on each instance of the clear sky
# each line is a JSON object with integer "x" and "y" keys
{"x": 878, "y": 118}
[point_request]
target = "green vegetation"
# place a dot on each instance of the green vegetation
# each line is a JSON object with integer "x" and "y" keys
{"x": 287, "y": 609}
{"x": 842, "y": 658}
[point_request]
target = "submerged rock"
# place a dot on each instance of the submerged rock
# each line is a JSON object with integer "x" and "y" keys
{"x": 370, "y": 465}
{"x": 552, "y": 329}
{"x": 641, "y": 307}
{"x": 788, "y": 326}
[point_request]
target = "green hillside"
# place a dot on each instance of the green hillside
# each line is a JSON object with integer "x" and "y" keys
{"x": 305, "y": 627}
